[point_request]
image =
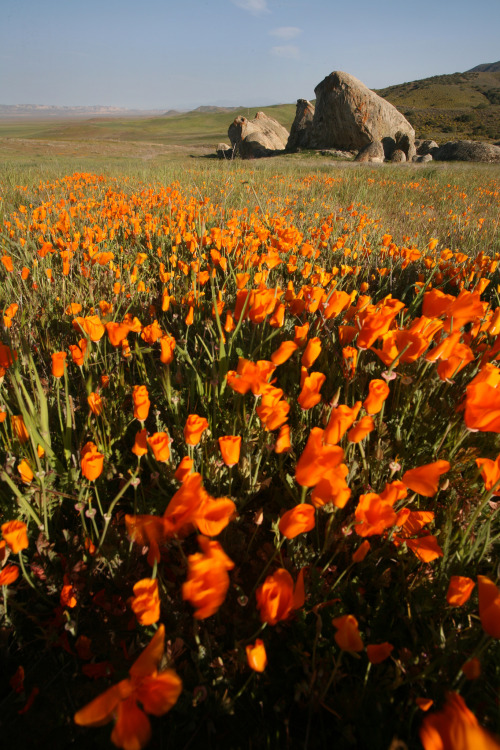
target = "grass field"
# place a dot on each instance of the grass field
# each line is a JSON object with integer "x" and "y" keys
{"x": 249, "y": 463}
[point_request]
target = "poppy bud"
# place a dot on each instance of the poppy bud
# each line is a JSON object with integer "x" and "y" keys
{"x": 58, "y": 364}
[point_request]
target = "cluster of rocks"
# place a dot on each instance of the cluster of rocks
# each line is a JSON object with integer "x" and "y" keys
{"x": 349, "y": 121}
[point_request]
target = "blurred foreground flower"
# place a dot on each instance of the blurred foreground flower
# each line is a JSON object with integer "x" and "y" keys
{"x": 157, "y": 692}
{"x": 207, "y": 582}
{"x": 455, "y": 728}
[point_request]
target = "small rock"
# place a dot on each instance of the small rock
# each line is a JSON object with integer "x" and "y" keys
{"x": 374, "y": 152}
{"x": 398, "y": 155}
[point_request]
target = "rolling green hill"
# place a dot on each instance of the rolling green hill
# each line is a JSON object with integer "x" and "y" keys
{"x": 446, "y": 107}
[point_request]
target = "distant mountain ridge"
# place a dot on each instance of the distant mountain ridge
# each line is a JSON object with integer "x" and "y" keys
{"x": 52, "y": 111}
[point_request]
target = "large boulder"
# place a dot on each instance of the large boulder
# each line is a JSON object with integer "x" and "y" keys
{"x": 467, "y": 151}
{"x": 300, "y": 134}
{"x": 349, "y": 116}
{"x": 261, "y": 136}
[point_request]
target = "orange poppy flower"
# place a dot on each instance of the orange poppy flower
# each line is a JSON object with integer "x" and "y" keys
{"x": 482, "y": 407}
{"x": 256, "y": 656}
{"x": 146, "y": 691}
{"x": 167, "y": 344}
{"x": 277, "y": 598}
{"x": 362, "y": 551}
{"x": 360, "y": 430}
{"x": 78, "y": 352}
{"x": 301, "y": 335}
{"x": 297, "y": 521}
{"x": 459, "y": 358}
{"x": 374, "y": 515}
{"x": 404, "y": 346}
{"x": 19, "y": 428}
{"x": 208, "y": 581}
{"x": 283, "y": 440}
{"x": 311, "y": 352}
{"x": 93, "y": 327}
{"x": 341, "y": 418}
{"x": 347, "y": 635}
{"x": 213, "y": 514}
{"x": 490, "y": 472}
{"x": 377, "y": 323}
{"x": 8, "y": 575}
{"x": 92, "y": 462}
{"x": 378, "y": 391}
{"x": 283, "y": 352}
{"x": 141, "y": 401}
{"x": 277, "y": 319}
{"x": 337, "y": 302}
{"x": 229, "y": 325}
{"x": 95, "y": 403}
{"x": 15, "y": 534}
{"x": 455, "y": 728}
{"x": 425, "y": 479}
{"x": 426, "y": 548}
{"x": 459, "y": 590}
{"x": 316, "y": 458}
{"x": 67, "y": 596}
{"x": 273, "y": 412}
{"x": 160, "y": 445}
{"x": 194, "y": 428}
{"x": 310, "y": 394}
{"x": 378, "y": 652}
{"x": 24, "y": 470}
{"x": 58, "y": 364}
{"x": 117, "y": 332}
{"x": 151, "y": 333}
{"x": 332, "y": 488}
{"x": 73, "y": 308}
{"x": 146, "y": 601}
{"x": 140, "y": 447}
{"x": 230, "y": 446}
{"x": 184, "y": 469}
{"x": 249, "y": 375}
{"x": 489, "y": 605}
{"x": 190, "y": 316}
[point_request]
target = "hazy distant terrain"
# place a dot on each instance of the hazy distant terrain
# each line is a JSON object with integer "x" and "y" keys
{"x": 444, "y": 107}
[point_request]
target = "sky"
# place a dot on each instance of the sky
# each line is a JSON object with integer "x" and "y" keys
{"x": 161, "y": 54}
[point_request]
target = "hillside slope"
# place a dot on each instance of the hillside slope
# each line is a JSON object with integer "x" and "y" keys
{"x": 458, "y": 105}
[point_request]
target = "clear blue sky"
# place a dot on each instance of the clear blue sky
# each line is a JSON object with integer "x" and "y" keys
{"x": 161, "y": 54}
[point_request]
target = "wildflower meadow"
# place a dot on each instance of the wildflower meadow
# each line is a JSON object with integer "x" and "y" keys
{"x": 250, "y": 464}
